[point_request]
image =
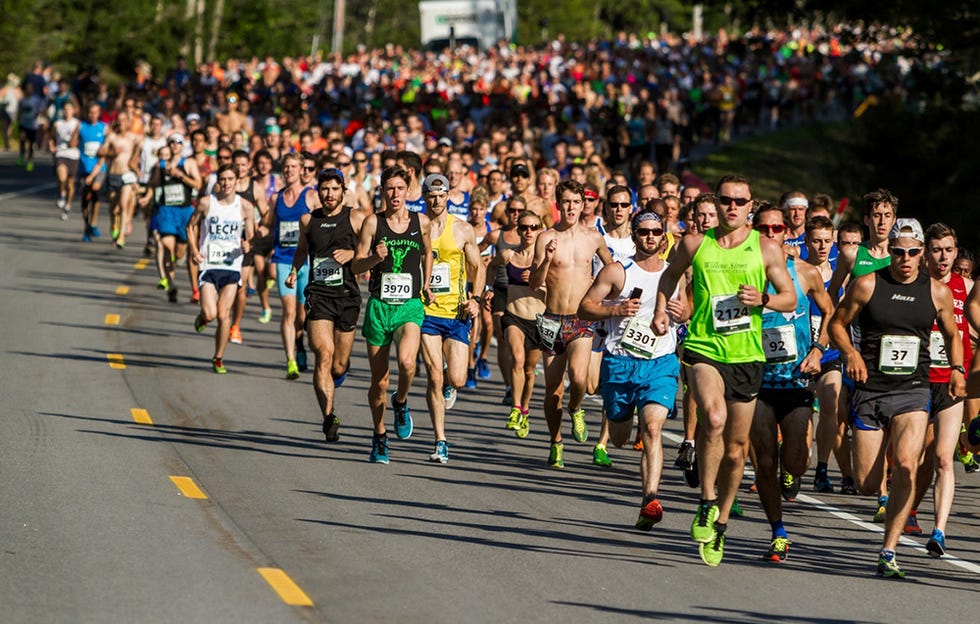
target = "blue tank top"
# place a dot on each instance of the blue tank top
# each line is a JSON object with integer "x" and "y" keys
{"x": 831, "y": 257}
{"x": 90, "y": 138}
{"x": 786, "y": 340}
{"x": 462, "y": 209}
{"x": 415, "y": 205}
{"x": 830, "y": 354}
{"x": 287, "y": 227}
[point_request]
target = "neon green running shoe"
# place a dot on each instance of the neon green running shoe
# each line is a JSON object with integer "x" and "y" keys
{"x": 888, "y": 568}
{"x": 292, "y": 370}
{"x": 600, "y": 457}
{"x": 163, "y": 284}
{"x": 713, "y": 551}
{"x": 199, "y": 323}
{"x": 218, "y": 366}
{"x": 703, "y": 527}
{"x": 736, "y": 509}
{"x": 579, "y": 429}
{"x": 514, "y": 418}
{"x": 555, "y": 456}
{"x": 523, "y": 426}
{"x": 879, "y": 516}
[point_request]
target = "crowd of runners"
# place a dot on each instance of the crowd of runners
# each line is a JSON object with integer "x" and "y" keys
{"x": 767, "y": 320}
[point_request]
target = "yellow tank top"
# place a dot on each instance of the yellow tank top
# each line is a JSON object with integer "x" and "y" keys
{"x": 448, "y": 282}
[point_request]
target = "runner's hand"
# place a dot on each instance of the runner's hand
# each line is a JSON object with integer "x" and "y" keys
{"x": 343, "y": 256}
{"x": 427, "y": 295}
{"x": 197, "y": 258}
{"x": 488, "y": 301}
{"x": 957, "y": 385}
{"x": 660, "y": 324}
{"x": 678, "y": 310}
{"x": 628, "y": 308}
{"x": 381, "y": 251}
{"x": 811, "y": 363}
{"x": 290, "y": 280}
{"x": 550, "y": 248}
{"x": 749, "y": 295}
{"x": 856, "y": 369}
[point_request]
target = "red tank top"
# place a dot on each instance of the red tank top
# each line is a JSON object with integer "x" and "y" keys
{"x": 958, "y": 288}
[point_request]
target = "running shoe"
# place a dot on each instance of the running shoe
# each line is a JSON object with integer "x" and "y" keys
{"x": 331, "y": 425}
{"x": 403, "y": 418}
{"x": 339, "y": 380}
{"x": 888, "y": 567}
{"x": 20, "y": 160}
{"x": 301, "y": 360}
{"x": 30, "y": 166}
{"x": 218, "y": 366}
{"x": 269, "y": 283}
{"x": 470, "y": 379}
{"x": 713, "y": 550}
{"x": 778, "y": 549}
{"x": 234, "y": 334}
{"x": 555, "y": 455}
{"x": 579, "y": 429}
{"x": 292, "y": 370}
{"x": 508, "y": 396}
{"x": 87, "y": 235}
{"x": 788, "y": 485}
{"x": 736, "y": 509}
{"x": 442, "y": 453}
{"x": 638, "y": 444}
{"x": 523, "y": 426}
{"x": 847, "y": 486}
{"x": 379, "y": 450}
{"x": 65, "y": 213}
{"x": 199, "y": 323}
{"x": 114, "y": 233}
{"x": 600, "y": 457}
{"x": 879, "y": 516}
{"x": 172, "y": 294}
{"x": 482, "y": 370}
{"x": 195, "y": 296}
{"x": 685, "y": 456}
{"x": 651, "y": 513}
{"x": 692, "y": 477}
{"x": 936, "y": 544}
{"x": 912, "y": 525}
{"x": 970, "y": 464}
{"x": 703, "y": 526}
{"x": 822, "y": 484}
{"x": 514, "y": 418}
{"x": 61, "y": 203}
{"x": 449, "y": 395}
{"x": 163, "y": 284}
{"x": 266, "y": 315}
{"x": 95, "y": 232}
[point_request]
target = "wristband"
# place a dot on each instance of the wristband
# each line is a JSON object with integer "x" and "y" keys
{"x": 820, "y": 347}
{"x": 958, "y": 368}
{"x": 765, "y": 299}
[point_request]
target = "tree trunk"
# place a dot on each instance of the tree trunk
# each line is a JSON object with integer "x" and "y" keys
{"x": 219, "y": 11}
{"x": 199, "y": 32}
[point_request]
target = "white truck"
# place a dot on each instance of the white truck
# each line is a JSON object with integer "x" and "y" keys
{"x": 479, "y": 23}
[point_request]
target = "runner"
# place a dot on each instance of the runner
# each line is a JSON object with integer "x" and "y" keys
{"x": 64, "y": 146}
{"x": 458, "y": 203}
{"x": 947, "y": 413}
{"x": 412, "y": 163}
{"x": 123, "y": 148}
{"x": 395, "y": 246}
{"x": 496, "y": 296}
{"x": 265, "y": 239}
{"x": 251, "y": 190}
{"x": 448, "y": 316}
{"x": 91, "y": 135}
{"x": 795, "y": 204}
{"x": 563, "y": 264}
{"x": 328, "y": 236}
{"x": 896, "y": 307}
{"x": 291, "y": 203}
{"x": 29, "y": 110}
{"x": 780, "y": 432}
{"x": 639, "y": 370}
{"x": 520, "y": 184}
{"x": 723, "y": 350}
{"x": 218, "y": 249}
{"x": 482, "y": 332}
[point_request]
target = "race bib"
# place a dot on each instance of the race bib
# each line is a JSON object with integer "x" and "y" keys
{"x": 779, "y": 343}
{"x": 288, "y": 233}
{"x": 396, "y": 288}
{"x": 222, "y": 252}
{"x": 439, "y": 282}
{"x": 730, "y": 316}
{"x": 91, "y": 149}
{"x": 937, "y": 350}
{"x": 638, "y": 339}
{"x": 548, "y": 331}
{"x": 129, "y": 178}
{"x": 326, "y": 271}
{"x": 899, "y": 355}
{"x": 173, "y": 194}
{"x": 815, "y": 326}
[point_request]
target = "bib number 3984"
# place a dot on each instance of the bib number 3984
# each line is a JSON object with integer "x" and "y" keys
{"x": 730, "y": 315}
{"x": 638, "y": 340}
{"x": 327, "y": 272}
{"x": 396, "y": 288}
{"x": 779, "y": 343}
{"x": 899, "y": 355}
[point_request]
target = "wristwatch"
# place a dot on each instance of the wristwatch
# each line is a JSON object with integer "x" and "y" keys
{"x": 958, "y": 368}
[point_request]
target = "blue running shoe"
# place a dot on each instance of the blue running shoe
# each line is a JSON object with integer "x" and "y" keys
{"x": 301, "y": 361}
{"x": 379, "y": 450}
{"x": 449, "y": 395}
{"x": 339, "y": 381}
{"x": 95, "y": 232}
{"x": 403, "y": 418}
{"x": 470, "y": 379}
{"x": 482, "y": 370}
{"x": 936, "y": 544}
{"x": 442, "y": 453}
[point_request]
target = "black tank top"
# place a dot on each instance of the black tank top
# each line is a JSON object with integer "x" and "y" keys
{"x": 895, "y": 314}
{"x": 248, "y": 193}
{"x": 500, "y": 279}
{"x": 404, "y": 254}
{"x": 173, "y": 191}
{"x": 324, "y": 235}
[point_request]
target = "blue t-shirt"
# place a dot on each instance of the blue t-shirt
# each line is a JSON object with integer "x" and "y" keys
{"x": 90, "y": 139}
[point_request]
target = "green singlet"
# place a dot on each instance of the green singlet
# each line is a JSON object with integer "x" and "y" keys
{"x": 722, "y": 328}
{"x": 865, "y": 263}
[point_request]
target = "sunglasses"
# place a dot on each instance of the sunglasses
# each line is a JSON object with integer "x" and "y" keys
{"x": 360, "y": 160}
{"x": 345, "y": 163}
{"x": 644, "y": 232}
{"x": 620, "y": 204}
{"x": 309, "y": 169}
{"x": 901, "y": 252}
{"x": 515, "y": 210}
{"x": 724, "y": 200}
{"x": 527, "y": 228}
{"x": 771, "y": 229}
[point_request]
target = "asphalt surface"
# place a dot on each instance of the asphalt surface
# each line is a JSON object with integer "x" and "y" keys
{"x": 94, "y": 528}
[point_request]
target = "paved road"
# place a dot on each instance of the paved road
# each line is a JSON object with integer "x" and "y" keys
{"x": 95, "y": 528}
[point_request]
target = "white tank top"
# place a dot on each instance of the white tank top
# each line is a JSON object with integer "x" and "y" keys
{"x": 63, "y": 130}
{"x": 621, "y": 250}
{"x": 638, "y": 336}
{"x": 221, "y": 236}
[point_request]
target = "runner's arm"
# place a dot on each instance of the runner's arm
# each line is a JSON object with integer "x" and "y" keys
{"x": 365, "y": 258}
{"x": 670, "y": 279}
{"x": 855, "y": 298}
{"x": 425, "y": 226}
{"x": 845, "y": 264}
{"x": 942, "y": 299}
{"x": 785, "y": 298}
{"x": 607, "y": 285}
{"x": 542, "y": 260}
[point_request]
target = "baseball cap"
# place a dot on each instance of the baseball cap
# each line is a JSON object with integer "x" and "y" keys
{"x": 331, "y": 173}
{"x": 435, "y": 183}
{"x": 273, "y": 130}
{"x": 176, "y": 137}
{"x": 908, "y": 228}
{"x": 193, "y": 117}
{"x": 519, "y": 170}
{"x": 446, "y": 141}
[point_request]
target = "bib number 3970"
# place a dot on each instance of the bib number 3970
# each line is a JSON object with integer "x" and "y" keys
{"x": 396, "y": 288}
{"x": 899, "y": 355}
{"x": 730, "y": 315}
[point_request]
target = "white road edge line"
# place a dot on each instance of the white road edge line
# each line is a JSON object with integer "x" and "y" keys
{"x": 843, "y": 515}
{"x": 29, "y": 190}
